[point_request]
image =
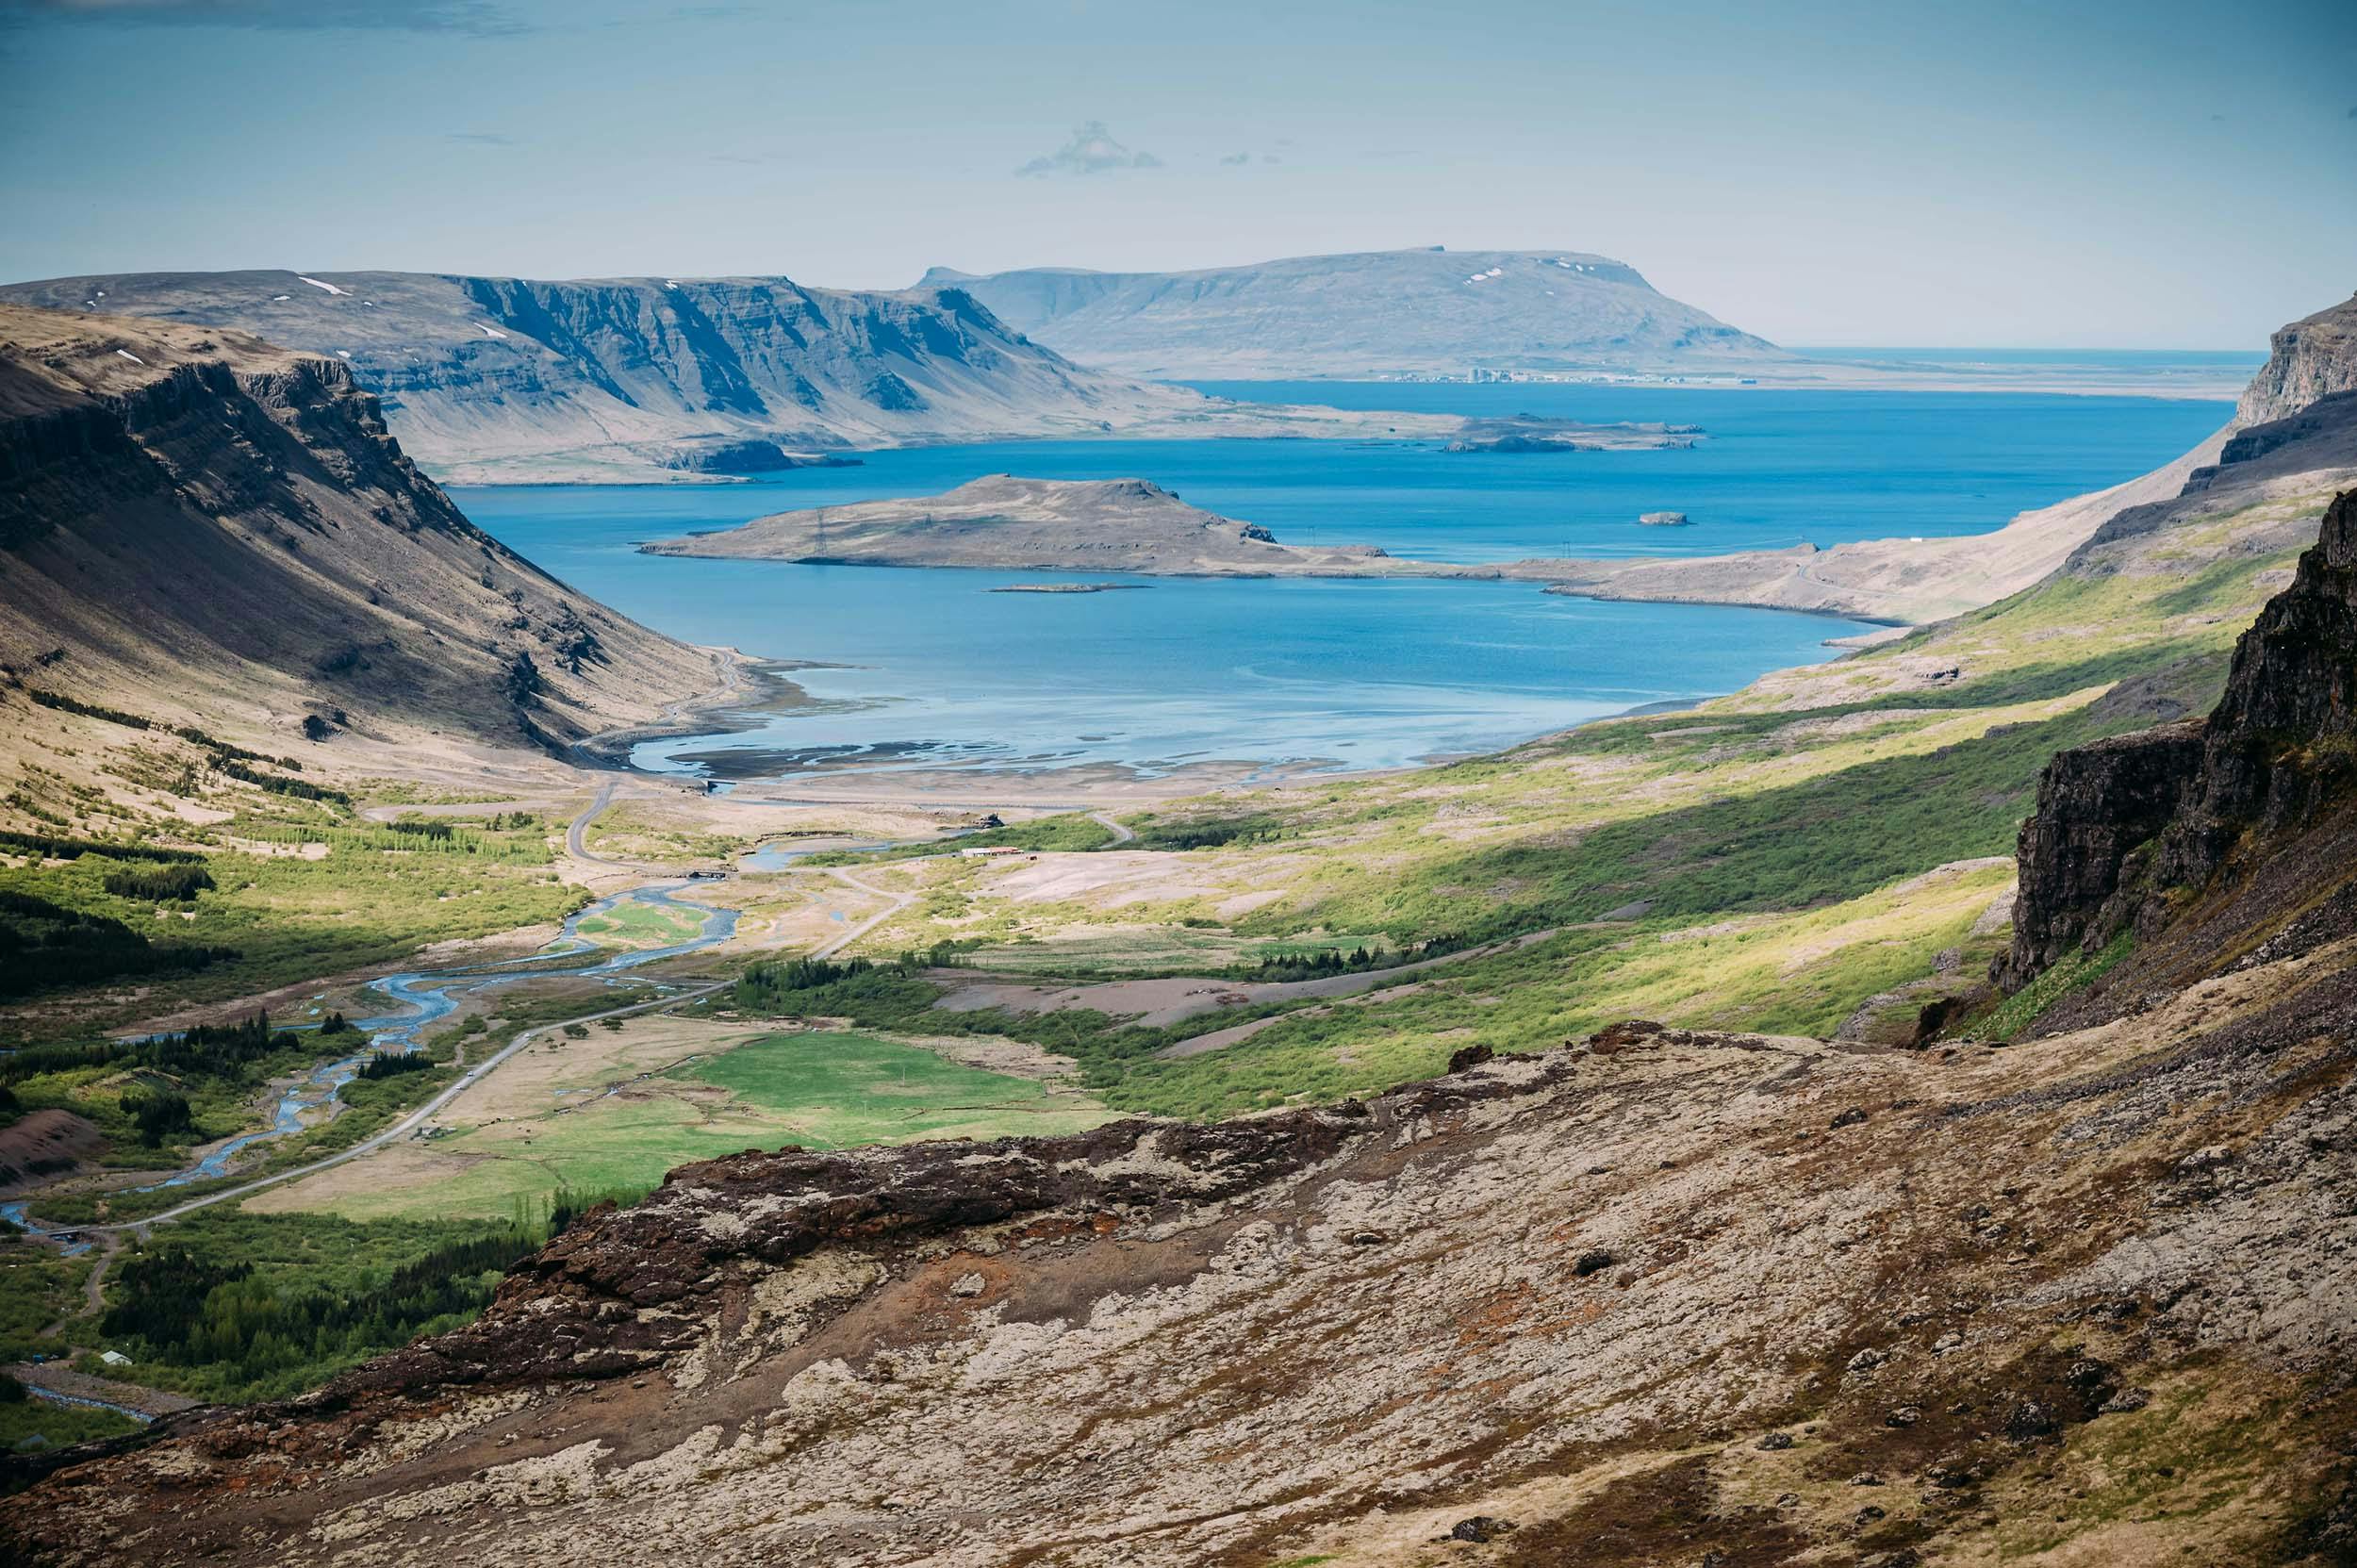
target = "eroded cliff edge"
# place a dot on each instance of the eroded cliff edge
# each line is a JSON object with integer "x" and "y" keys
{"x": 2235, "y": 831}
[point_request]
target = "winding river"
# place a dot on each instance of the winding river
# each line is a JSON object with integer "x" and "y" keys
{"x": 425, "y": 996}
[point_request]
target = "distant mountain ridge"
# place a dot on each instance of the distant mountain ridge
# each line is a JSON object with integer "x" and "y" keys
{"x": 1373, "y": 313}
{"x": 485, "y": 378}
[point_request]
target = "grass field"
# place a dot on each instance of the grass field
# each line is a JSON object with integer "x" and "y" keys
{"x": 297, "y": 894}
{"x": 632, "y": 924}
{"x": 1769, "y": 861}
{"x": 618, "y": 1111}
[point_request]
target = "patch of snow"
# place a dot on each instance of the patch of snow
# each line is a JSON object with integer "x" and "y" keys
{"x": 102, "y": 293}
{"x": 1494, "y": 272}
{"x": 277, "y": 297}
{"x": 343, "y": 353}
{"x": 317, "y": 284}
{"x": 490, "y": 331}
{"x": 132, "y": 358}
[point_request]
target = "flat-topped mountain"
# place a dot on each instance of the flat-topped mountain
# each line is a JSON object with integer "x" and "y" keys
{"x": 1041, "y": 524}
{"x": 1371, "y": 314}
{"x": 198, "y": 527}
{"x": 628, "y": 378}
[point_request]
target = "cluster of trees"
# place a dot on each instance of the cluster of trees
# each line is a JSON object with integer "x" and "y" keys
{"x": 786, "y": 986}
{"x": 301, "y": 789}
{"x": 1209, "y": 832}
{"x": 189, "y": 733}
{"x": 190, "y": 1311}
{"x": 160, "y": 1113}
{"x": 438, "y": 832}
{"x": 392, "y": 1064}
{"x": 1319, "y": 963}
{"x": 177, "y": 882}
{"x": 765, "y": 983}
{"x": 209, "y": 1050}
{"x": 46, "y": 946}
{"x": 52, "y": 846}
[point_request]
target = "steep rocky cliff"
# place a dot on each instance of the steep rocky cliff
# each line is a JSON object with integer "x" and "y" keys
{"x": 2313, "y": 358}
{"x": 511, "y": 378}
{"x": 198, "y": 526}
{"x": 2219, "y": 834}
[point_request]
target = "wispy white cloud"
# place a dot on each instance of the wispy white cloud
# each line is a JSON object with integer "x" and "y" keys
{"x": 1091, "y": 151}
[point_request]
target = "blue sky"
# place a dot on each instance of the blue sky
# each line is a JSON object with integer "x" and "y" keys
{"x": 2172, "y": 173}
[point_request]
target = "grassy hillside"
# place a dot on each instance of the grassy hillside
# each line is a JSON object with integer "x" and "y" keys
{"x": 1776, "y": 860}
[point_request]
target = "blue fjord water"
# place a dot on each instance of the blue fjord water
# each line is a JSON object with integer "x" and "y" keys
{"x": 929, "y": 668}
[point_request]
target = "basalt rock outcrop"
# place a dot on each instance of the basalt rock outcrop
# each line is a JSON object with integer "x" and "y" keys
{"x": 2137, "y": 832}
{"x": 2099, "y": 809}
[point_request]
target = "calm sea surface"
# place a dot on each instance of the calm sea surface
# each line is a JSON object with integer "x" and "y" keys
{"x": 929, "y": 668}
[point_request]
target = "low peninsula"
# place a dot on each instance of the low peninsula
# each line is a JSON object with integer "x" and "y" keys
{"x": 1069, "y": 587}
{"x": 1002, "y": 521}
{"x": 1529, "y": 432}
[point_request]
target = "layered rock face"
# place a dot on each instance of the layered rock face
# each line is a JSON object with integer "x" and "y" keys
{"x": 2099, "y": 809}
{"x": 487, "y": 378}
{"x": 194, "y": 521}
{"x": 2314, "y": 358}
{"x": 2282, "y": 748}
{"x": 2129, "y": 830}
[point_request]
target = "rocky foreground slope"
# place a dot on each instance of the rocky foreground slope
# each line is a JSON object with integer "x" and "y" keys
{"x": 1649, "y": 1297}
{"x": 198, "y": 528}
{"x": 1374, "y": 313}
{"x": 513, "y": 379}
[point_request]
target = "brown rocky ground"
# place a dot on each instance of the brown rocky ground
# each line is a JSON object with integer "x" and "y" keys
{"x": 2079, "y": 1301}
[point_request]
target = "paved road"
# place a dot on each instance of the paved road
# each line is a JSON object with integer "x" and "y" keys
{"x": 1121, "y": 835}
{"x": 577, "y": 830}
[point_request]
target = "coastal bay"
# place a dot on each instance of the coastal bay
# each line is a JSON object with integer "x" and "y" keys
{"x": 945, "y": 674}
